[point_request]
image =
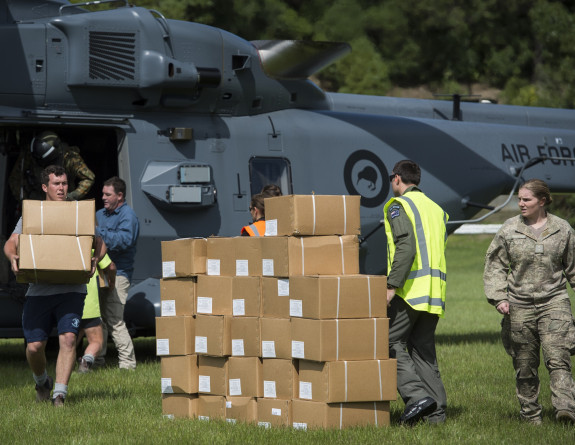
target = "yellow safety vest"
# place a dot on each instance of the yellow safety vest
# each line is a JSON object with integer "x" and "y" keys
{"x": 424, "y": 289}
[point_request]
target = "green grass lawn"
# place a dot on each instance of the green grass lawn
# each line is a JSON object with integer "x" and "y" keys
{"x": 112, "y": 406}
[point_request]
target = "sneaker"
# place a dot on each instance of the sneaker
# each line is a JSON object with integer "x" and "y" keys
{"x": 565, "y": 416}
{"x": 43, "y": 392}
{"x": 58, "y": 400}
{"x": 84, "y": 366}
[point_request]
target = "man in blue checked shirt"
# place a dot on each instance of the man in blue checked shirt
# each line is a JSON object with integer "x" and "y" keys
{"x": 119, "y": 228}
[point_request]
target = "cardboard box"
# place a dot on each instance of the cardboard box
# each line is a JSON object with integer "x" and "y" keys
{"x": 347, "y": 339}
{"x": 183, "y": 257}
{"x": 347, "y": 296}
{"x": 175, "y": 335}
{"x": 348, "y": 381}
{"x": 276, "y": 337}
{"x": 312, "y": 215}
{"x": 241, "y": 409}
{"x": 245, "y": 337}
{"x": 179, "y": 374}
{"x": 238, "y": 256}
{"x": 180, "y": 405}
{"x": 77, "y": 218}
{"x": 212, "y": 375}
{"x": 222, "y": 295}
{"x": 213, "y": 335}
{"x": 178, "y": 296}
{"x": 311, "y": 255}
{"x": 245, "y": 377}
{"x": 280, "y": 378}
{"x": 310, "y": 415}
{"x": 274, "y": 413}
{"x": 211, "y": 407}
{"x": 56, "y": 259}
{"x": 275, "y": 297}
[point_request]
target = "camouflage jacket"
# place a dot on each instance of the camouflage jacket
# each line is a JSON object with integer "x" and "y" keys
{"x": 25, "y": 182}
{"x": 521, "y": 268}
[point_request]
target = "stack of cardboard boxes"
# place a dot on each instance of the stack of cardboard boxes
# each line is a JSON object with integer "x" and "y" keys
{"x": 280, "y": 330}
{"x": 56, "y": 241}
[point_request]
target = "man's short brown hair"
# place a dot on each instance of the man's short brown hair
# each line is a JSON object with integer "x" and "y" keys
{"x": 56, "y": 170}
{"x": 118, "y": 184}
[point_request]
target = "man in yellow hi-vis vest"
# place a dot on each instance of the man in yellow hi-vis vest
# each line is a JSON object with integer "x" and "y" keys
{"x": 416, "y": 283}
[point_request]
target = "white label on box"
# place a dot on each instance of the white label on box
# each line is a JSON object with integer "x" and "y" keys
{"x": 162, "y": 346}
{"x": 237, "y": 346}
{"x": 204, "y": 384}
{"x": 276, "y": 412}
{"x": 213, "y": 267}
{"x": 268, "y": 268}
{"x": 231, "y": 420}
{"x": 265, "y": 424}
{"x": 305, "y": 390}
{"x": 167, "y": 386}
{"x": 295, "y": 308}
{"x": 270, "y": 388}
{"x": 269, "y": 349}
{"x": 228, "y": 404}
{"x": 235, "y": 387}
{"x": 242, "y": 268}
{"x": 204, "y": 417}
{"x": 300, "y": 425}
{"x": 297, "y": 349}
{"x": 168, "y": 416}
{"x": 271, "y": 227}
{"x": 201, "y": 345}
{"x": 168, "y": 269}
{"x": 283, "y": 287}
{"x": 239, "y": 307}
{"x": 168, "y": 308}
{"x": 204, "y": 305}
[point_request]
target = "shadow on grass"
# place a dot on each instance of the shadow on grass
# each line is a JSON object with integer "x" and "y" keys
{"x": 468, "y": 337}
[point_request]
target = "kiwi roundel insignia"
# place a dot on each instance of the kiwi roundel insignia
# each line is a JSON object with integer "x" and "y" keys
{"x": 365, "y": 175}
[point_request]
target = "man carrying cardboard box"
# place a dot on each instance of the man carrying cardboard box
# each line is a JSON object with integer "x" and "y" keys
{"x": 416, "y": 282}
{"x": 119, "y": 228}
{"x": 45, "y": 302}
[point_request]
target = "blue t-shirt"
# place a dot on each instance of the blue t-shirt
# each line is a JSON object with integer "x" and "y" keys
{"x": 120, "y": 229}
{"x": 45, "y": 289}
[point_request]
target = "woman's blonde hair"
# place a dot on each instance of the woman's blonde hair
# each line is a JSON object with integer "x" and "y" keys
{"x": 539, "y": 189}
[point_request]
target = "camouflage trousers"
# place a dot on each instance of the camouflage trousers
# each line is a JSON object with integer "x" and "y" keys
{"x": 524, "y": 332}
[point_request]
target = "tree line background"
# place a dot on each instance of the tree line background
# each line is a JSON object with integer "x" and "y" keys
{"x": 518, "y": 52}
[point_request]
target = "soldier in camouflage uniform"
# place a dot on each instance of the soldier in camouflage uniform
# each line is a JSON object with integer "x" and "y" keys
{"x": 527, "y": 267}
{"x": 46, "y": 149}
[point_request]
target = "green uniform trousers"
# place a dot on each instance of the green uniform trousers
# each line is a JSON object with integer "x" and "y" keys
{"x": 412, "y": 343}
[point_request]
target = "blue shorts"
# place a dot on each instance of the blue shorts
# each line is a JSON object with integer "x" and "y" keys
{"x": 41, "y": 313}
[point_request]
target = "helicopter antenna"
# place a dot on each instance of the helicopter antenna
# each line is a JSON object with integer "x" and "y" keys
{"x": 456, "y": 113}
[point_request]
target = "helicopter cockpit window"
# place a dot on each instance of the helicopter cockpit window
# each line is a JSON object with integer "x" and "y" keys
{"x": 264, "y": 171}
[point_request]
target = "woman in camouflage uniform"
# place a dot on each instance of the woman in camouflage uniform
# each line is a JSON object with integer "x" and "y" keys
{"x": 527, "y": 267}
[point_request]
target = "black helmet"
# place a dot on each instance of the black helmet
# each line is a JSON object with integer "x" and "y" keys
{"x": 45, "y": 147}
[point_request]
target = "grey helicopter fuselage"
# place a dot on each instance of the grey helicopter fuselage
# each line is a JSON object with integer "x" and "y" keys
{"x": 196, "y": 120}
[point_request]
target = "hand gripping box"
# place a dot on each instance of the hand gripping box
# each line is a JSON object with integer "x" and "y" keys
{"x": 312, "y": 215}
{"x": 213, "y": 335}
{"x": 175, "y": 335}
{"x": 310, "y": 255}
{"x": 213, "y": 375}
{"x": 179, "y": 374}
{"x": 241, "y": 409}
{"x": 346, "y": 339}
{"x": 239, "y": 256}
{"x": 310, "y": 415}
{"x": 245, "y": 377}
{"x": 274, "y": 412}
{"x": 245, "y": 336}
{"x": 76, "y": 218}
{"x": 180, "y": 405}
{"x": 184, "y": 257}
{"x": 280, "y": 378}
{"x": 348, "y": 381}
{"x": 276, "y": 337}
{"x": 55, "y": 259}
{"x": 223, "y": 295}
{"x": 177, "y": 296}
{"x": 346, "y": 296}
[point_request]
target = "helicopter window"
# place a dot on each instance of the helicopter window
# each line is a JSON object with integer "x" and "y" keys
{"x": 264, "y": 171}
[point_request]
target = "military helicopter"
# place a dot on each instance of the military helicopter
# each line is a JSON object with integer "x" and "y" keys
{"x": 196, "y": 120}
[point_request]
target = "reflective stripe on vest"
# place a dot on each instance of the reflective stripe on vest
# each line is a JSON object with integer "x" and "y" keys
{"x": 257, "y": 228}
{"x": 426, "y": 279}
